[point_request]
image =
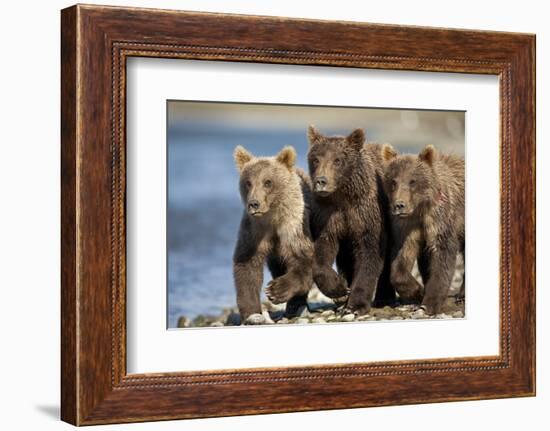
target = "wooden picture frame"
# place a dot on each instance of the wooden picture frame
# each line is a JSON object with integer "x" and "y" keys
{"x": 96, "y": 41}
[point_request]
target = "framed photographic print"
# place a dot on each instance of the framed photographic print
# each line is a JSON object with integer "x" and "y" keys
{"x": 281, "y": 206}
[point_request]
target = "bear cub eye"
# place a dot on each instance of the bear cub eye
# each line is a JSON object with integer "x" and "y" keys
{"x": 268, "y": 184}
{"x": 393, "y": 184}
{"x": 337, "y": 162}
{"x": 412, "y": 182}
{"x": 315, "y": 161}
{"x": 248, "y": 184}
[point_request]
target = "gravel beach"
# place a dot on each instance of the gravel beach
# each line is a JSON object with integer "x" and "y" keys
{"x": 322, "y": 310}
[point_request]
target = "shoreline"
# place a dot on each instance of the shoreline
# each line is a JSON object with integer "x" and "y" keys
{"x": 321, "y": 310}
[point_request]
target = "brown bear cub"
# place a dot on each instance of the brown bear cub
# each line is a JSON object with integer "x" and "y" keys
{"x": 274, "y": 230}
{"x": 349, "y": 219}
{"x": 427, "y": 205}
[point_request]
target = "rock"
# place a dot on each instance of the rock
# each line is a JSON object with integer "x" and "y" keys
{"x": 443, "y": 316}
{"x": 269, "y": 306}
{"x": 276, "y": 315}
{"x": 419, "y": 314}
{"x": 458, "y": 314}
{"x": 327, "y": 313}
{"x": 303, "y": 312}
{"x": 255, "y": 319}
{"x": 365, "y": 317}
{"x": 332, "y": 318}
{"x": 319, "y": 307}
{"x": 302, "y": 320}
{"x": 283, "y": 320}
{"x": 201, "y": 321}
{"x": 316, "y": 301}
{"x": 183, "y": 322}
{"x": 217, "y": 324}
{"x": 397, "y": 318}
{"x": 348, "y": 318}
{"x": 315, "y": 295}
{"x": 318, "y": 320}
{"x": 233, "y": 319}
{"x": 267, "y": 317}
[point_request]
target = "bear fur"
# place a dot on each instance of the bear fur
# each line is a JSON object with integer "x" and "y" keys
{"x": 426, "y": 194}
{"x": 349, "y": 219}
{"x": 275, "y": 230}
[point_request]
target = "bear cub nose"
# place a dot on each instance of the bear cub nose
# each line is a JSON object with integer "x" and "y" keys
{"x": 399, "y": 206}
{"x": 321, "y": 182}
{"x": 253, "y": 204}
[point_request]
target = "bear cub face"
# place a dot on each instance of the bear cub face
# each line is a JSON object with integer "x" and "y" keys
{"x": 409, "y": 181}
{"x": 263, "y": 183}
{"x": 331, "y": 158}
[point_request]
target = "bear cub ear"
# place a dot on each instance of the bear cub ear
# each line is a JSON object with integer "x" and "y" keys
{"x": 241, "y": 156}
{"x": 356, "y": 138}
{"x": 313, "y": 135}
{"x": 287, "y": 156}
{"x": 428, "y": 154}
{"x": 388, "y": 152}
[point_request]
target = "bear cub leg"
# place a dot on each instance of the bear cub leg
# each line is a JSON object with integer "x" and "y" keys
{"x": 442, "y": 267}
{"x": 248, "y": 282}
{"x": 329, "y": 282}
{"x": 408, "y": 288}
{"x": 368, "y": 267}
{"x": 292, "y": 280}
{"x": 460, "y": 297}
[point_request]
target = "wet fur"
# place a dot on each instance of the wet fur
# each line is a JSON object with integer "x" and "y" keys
{"x": 349, "y": 224}
{"x": 433, "y": 233}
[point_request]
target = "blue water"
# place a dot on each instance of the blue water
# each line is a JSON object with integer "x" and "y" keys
{"x": 204, "y": 211}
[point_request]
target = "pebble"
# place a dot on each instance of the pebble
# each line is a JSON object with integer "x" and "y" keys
{"x": 418, "y": 314}
{"x": 217, "y": 324}
{"x": 269, "y": 306}
{"x": 183, "y": 322}
{"x": 317, "y": 313}
{"x": 276, "y": 315}
{"x": 233, "y": 319}
{"x": 267, "y": 317}
{"x": 255, "y": 319}
{"x": 303, "y": 312}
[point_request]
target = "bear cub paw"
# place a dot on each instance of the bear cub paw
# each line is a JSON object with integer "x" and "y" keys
{"x": 358, "y": 309}
{"x": 284, "y": 288}
{"x": 332, "y": 284}
{"x": 431, "y": 307}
